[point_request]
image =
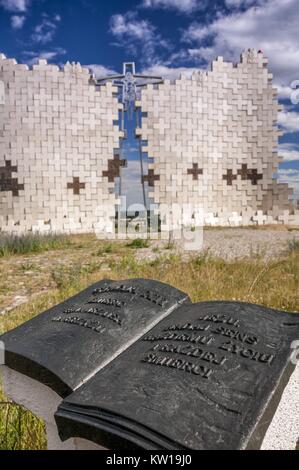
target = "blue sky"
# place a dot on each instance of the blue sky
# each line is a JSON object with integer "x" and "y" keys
{"x": 165, "y": 37}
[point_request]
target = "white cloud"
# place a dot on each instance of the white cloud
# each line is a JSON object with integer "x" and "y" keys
{"x": 272, "y": 26}
{"x": 170, "y": 73}
{"x": 289, "y": 152}
{"x": 32, "y": 57}
{"x": 290, "y": 176}
{"x": 138, "y": 36}
{"x": 100, "y": 71}
{"x": 131, "y": 182}
{"x": 20, "y": 8}
{"x": 17, "y": 21}
{"x": 129, "y": 26}
{"x": 284, "y": 91}
{"x": 183, "y": 6}
{"x": 130, "y": 148}
{"x": 15, "y": 5}
{"x": 241, "y": 3}
{"x": 45, "y": 31}
{"x": 289, "y": 121}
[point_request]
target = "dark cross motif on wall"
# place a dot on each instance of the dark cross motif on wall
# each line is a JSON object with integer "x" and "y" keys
{"x": 194, "y": 171}
{"x": 7, "y": 183}
{"x": 245, "y": 173}
{"x": 229, "y": 177}
{"x": 254, "y": 176}
{"x": 150, "y": 178}
{"x": 114, "y": 168}
{"x": 249, "y": 174}
{"x": 76, "y": 185}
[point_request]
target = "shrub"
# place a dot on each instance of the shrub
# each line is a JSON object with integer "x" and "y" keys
{"x": 138, "y": 243}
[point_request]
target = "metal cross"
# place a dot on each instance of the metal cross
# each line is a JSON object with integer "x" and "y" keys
{"x": 130, "y": 82}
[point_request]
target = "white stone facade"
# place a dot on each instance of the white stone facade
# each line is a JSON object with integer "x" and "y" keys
{"x": 213, "y": 142}
{"x": 211, "y": 139}
{"x": 58, "y": 136}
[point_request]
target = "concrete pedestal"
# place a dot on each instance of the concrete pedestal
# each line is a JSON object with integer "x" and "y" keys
{"x": 283, "y": 432}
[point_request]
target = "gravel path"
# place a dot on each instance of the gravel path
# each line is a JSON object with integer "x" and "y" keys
{"x": 239, "y": 243}
{"x": 232, "y": 243}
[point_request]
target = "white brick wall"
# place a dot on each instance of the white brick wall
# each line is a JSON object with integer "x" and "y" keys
{"x": 216, "y": 122}
{"x": 55, "y": 126}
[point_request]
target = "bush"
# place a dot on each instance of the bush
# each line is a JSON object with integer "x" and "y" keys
{"x": 138, "y": 243}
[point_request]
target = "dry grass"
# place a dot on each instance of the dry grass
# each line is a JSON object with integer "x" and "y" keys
{"x": 19, "y": 429}
{"x": 274, "y": 284}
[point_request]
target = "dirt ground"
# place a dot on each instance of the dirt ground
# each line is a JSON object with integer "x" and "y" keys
{"x": 24, "y": 276}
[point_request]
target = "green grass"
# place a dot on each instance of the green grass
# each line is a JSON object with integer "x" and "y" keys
{"x": 105, "y": 249}
{"x": 271, "y": 283}
{"x": 31, "y": 243}
{"x": 19, "y": 429}
{"x": 138, "y": 243}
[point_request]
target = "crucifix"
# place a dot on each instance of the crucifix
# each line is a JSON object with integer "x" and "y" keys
{"x": 130, "y": 84}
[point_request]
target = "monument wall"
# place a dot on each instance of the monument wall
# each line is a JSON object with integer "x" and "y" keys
{"x": 213, "y": 139}
{"x": 59, "y": 141}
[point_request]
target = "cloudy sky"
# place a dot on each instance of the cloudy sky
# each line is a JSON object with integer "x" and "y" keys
{"x": 165, "y": 37}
